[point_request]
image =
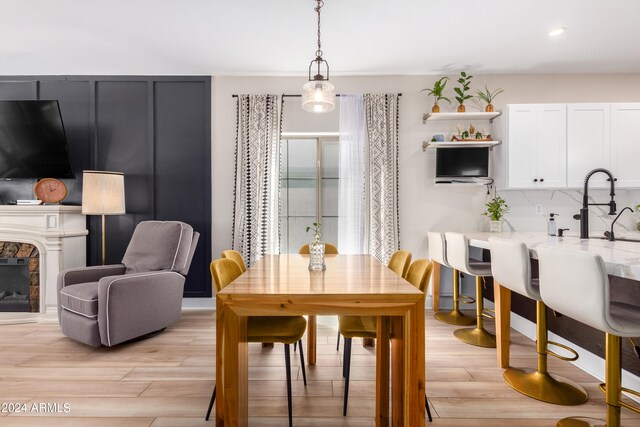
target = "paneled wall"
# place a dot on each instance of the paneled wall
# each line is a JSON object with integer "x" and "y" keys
{"x": 157, "y": 130}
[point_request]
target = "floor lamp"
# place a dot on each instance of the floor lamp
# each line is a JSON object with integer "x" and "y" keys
{"x": 103, "y": 194}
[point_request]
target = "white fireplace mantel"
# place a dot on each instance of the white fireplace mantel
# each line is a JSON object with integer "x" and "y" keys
{"x": 59, "y": 232}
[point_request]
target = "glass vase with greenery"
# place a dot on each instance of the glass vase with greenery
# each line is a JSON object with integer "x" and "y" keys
{"x": 316, "y": 248}
{"x": 488, "y": 97}
{"x": 436, "y": 92}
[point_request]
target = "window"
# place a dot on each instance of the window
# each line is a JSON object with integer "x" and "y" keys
{"x": 306, "y": 161}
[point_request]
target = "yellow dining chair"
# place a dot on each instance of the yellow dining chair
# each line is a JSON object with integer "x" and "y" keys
{"x": 283, "y": 329}
{"x": 351, "y": 327}
{"x": 236, "y": 256}
{"x": 329, "y": 249}
{"x": 399, "y": 264}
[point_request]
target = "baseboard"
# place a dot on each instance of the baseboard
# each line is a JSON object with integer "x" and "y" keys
{"x": 198, "y": 303}
{"x": 588, "y": 362}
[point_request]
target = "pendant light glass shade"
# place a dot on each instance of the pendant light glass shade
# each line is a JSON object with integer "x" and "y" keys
{"x": 318, "y": 96}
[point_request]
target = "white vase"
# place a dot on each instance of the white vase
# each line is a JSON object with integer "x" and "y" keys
{"x": 495, "y": 226}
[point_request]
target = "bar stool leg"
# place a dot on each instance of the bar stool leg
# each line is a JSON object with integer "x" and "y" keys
{"x": 612, "y": 390}
{"x": 477, "y": 336}
{"x": 455, "y": 316}
{"x": 540, "y": 384}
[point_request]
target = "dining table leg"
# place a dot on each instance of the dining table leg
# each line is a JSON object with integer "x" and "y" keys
{"x": 502, "y": 301}
{"x": 435, "y": 287}
{"x": 382, "y": 371}
{"x": 311, "y": 339}
{"x": 397, "y": 370}
{"x": 232, "y": 381}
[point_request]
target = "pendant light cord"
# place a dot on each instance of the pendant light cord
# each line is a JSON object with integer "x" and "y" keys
{"x": 317, "y": 9}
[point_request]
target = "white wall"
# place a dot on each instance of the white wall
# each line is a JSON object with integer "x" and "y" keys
{"x": 422, "y": 205}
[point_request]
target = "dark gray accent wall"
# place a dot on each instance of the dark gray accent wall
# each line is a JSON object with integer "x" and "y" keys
{"x": 155, "y": 129}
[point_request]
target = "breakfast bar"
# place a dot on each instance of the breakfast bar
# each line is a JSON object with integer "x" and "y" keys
{"x": 621, "y": 258}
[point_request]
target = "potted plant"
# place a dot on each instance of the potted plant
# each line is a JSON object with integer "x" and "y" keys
{"x": 465, "y": 81}
{"x": 496, "y": 208}
{"x": 488, "y": 97}
{"x": 436, "y": 92}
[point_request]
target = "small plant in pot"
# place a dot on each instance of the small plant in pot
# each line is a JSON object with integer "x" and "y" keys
{"x": 496, "y": 208}
{"x": 488, "y": 97}
{"x": 436, "y": 92}
{"x": 465, "y": 81}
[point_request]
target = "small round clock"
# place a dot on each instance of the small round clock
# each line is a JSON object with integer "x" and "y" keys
{"x": 50, "y": 190}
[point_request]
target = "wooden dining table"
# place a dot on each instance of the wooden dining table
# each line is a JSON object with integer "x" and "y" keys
{"x": 282, "y": 285}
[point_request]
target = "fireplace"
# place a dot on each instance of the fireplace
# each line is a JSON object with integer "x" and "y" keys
{"x": 19, "y": 277}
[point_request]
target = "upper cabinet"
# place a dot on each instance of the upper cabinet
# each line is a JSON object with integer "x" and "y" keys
{"x": 537, "y": 145}
{"x": 625, "y": 144}
{"x": 588, "y": 143}
{"x": 556, "y": 145}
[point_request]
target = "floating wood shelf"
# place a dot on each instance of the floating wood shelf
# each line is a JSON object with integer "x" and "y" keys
{"x": 459, "y": 144}
{"x": 461, "y": 116}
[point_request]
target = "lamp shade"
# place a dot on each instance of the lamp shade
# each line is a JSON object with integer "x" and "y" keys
{"x": 318, "y": 96}
{"x": 102, "y": 193}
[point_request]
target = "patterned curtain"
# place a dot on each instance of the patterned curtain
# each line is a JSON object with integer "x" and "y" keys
{"x": 256, "y": 229}
{"x": 382, "y": 119}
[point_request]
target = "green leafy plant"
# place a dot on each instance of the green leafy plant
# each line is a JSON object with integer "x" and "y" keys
{"x": 488, "y": 96}
{"x": 465, "y": 81}
{"x": 496, "y": 208}
{"x": 316, "y": 227}
{"x": 438, "y": 90}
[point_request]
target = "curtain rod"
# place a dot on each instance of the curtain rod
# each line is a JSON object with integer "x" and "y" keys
{"x": 299, "y": 96}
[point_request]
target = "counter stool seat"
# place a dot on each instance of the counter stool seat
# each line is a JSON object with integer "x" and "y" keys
{"x": 575, "y": 283}
{"x": 511, "y": 267}
{"x": 458, "y": 257}
{"x": 438, "y": 254}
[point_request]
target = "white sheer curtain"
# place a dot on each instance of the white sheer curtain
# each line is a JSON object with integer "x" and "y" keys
{"x": 352, "y": 217}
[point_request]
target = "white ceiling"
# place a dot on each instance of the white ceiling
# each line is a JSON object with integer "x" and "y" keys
{"x": 277, "y": 37}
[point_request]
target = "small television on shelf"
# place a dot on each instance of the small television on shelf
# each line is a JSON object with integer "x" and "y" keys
{"x": 467, "y": 162}
{"x": 33, "y": 143}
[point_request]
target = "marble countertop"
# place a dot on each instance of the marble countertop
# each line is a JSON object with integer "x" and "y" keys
{"x": 621, "y": 258}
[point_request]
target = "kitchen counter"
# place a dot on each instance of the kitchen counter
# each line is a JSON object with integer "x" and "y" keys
{"x": 621, "y": 258}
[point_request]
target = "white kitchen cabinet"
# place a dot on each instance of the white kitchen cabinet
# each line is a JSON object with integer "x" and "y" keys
{"x": 537, "y": 146}
{"x": 625, "y": 144}
{"x": 588, "y": 143}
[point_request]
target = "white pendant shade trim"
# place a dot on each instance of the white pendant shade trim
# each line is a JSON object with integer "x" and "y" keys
{"x": 318, "y": 96}
{"x": 103, "y": 193}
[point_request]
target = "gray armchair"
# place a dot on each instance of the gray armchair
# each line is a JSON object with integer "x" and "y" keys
{"x": 112, "y": 304}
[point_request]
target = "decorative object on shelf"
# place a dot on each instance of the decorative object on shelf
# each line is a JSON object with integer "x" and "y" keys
{"x": 438, "y": 138}
{"x": 488, "y": 97}
{"x": 471, "y": 135}
{"x": 319, "y": 95}
{"x": 472, "y": 130}
{"x": 316, "y": 249}
{"x": 638, "y": 223}
{"x": 50, "y": 190}
{"x": 465, "y": 81}
{"x": 436, "y": 92}
{"x": 496, "y": 209}
{"x": 103, "y": 194}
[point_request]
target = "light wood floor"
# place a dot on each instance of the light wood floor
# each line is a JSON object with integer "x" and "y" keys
{"x": 167, "y": 381}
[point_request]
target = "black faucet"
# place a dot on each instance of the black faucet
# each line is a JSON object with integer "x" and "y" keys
{"x": 609, "y": 234}
{"x": 583, "y": 216}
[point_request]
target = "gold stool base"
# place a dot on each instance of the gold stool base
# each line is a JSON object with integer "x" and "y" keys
{"x": 581, "y": 422}
{"x": 476, "y": 336}
{"x": 545, "y": 387}
{"x": 454, "y": 317}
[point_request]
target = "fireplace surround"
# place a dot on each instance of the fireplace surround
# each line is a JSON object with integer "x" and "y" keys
{"x": 36, "y": 243}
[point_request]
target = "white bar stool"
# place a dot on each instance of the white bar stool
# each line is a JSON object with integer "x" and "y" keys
{"x": 458, "y": 257}
{"x": 438, "y": 254}
{"x": 511, "y": 267}
{"x": 575, "y": 283}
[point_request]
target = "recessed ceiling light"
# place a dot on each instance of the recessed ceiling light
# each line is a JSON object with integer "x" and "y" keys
{"x": 556, "y": 32}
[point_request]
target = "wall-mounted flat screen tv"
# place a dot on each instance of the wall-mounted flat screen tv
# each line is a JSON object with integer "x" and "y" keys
{"x": 33, "y": 143}
{"x": 469, "y": 162}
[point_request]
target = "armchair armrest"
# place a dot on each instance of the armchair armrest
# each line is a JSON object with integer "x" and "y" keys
{"x": 133, "y": 305}
{"x": 73, "y": 276}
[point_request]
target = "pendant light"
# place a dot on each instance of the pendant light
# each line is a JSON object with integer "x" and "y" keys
{"x": 318, "y": 95}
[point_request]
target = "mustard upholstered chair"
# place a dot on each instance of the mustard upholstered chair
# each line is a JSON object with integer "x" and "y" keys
{"x": 351, "y": 327}
{"x": 399, "y": 263}
{"x": 284, "y": 329}
{"x": 236, "y": 256}
{"x": 329, "y": 249}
